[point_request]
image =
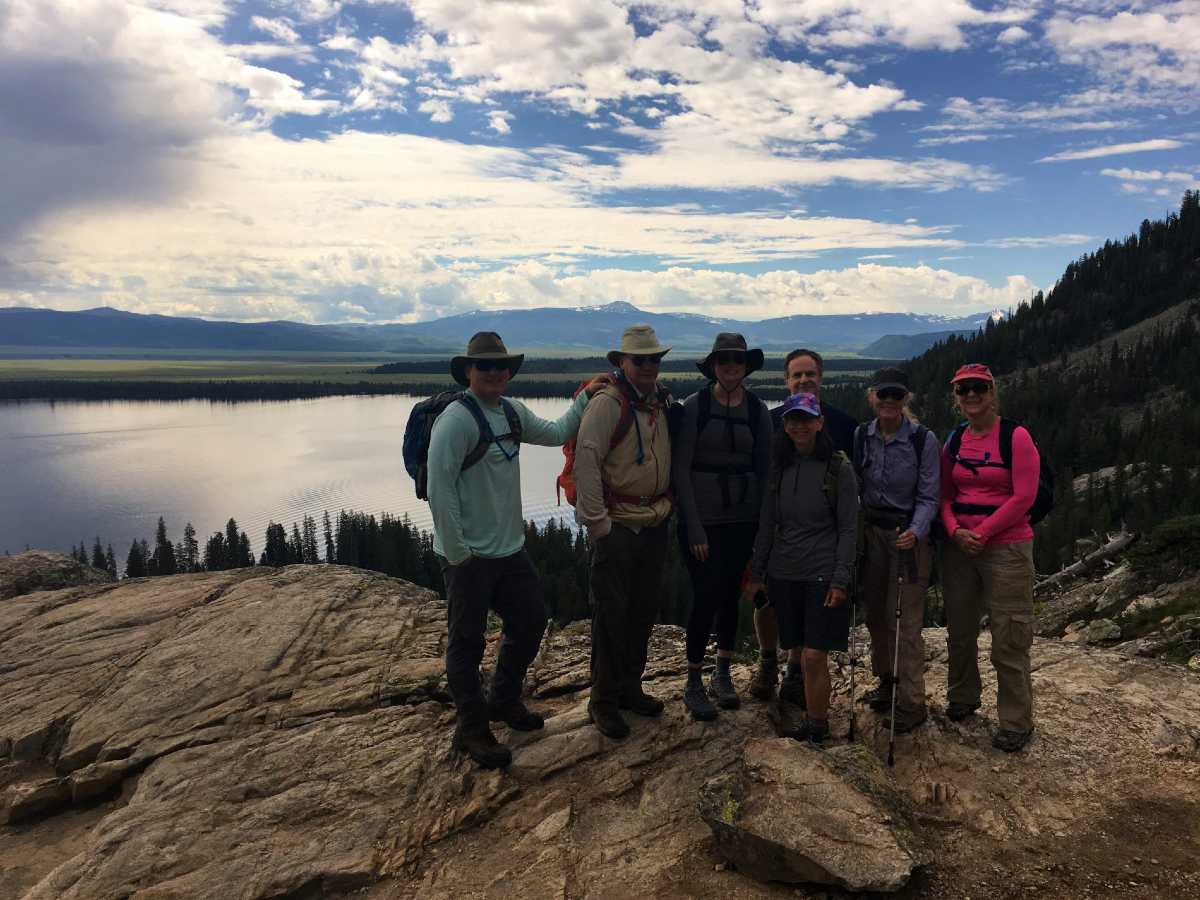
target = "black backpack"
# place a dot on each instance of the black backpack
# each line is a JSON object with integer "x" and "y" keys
{"x": 1044, "y": 501}
{"x": 420, "y": 427}
{"x": 704, "y": 414}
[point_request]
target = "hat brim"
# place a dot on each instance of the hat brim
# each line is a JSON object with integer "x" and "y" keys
{"x": 614, "y": 356}
{"x": 884, "y": 385}
{"x": 973, "y": 376}
{"x": 754, "y": 362}
{"x": 458, "y": 365}
{"x": 803, "y": 413}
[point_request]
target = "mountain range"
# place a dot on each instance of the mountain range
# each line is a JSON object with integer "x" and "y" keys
{"x": 573, "y": 330}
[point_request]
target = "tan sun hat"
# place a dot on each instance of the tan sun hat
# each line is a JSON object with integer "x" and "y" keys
{"x": 637, "y": 340}
{"x": 484, "y": 345}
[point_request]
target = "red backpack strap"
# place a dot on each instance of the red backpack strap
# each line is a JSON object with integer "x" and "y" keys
{"x": 625, "y": 420}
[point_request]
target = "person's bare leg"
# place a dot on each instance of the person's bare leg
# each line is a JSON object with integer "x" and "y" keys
{"x": 766, "y": 628}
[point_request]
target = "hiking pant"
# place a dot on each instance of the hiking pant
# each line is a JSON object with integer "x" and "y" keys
{"x": 509, "y": 586}
{"x": 880, "y": 586}
{"x": 1000, "y": 582}
{"x": 626, "y": 589}
{"x": 717, "y": 586}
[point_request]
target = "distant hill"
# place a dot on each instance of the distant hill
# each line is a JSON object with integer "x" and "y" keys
{"x": 905, "y": 346}
{"x": 571, "y": 330}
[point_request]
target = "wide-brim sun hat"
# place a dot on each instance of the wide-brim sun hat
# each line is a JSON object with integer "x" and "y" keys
{"x": 484, "y": 345}
{"x": 637, "y": 340}
{"x": 806, "y": 405}
{"x": 973, "y": 371}
{"x": 728, "y": 340}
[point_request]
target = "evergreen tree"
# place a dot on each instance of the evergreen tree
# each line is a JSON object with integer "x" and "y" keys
{"x": 135, "y": 562}
{"x": 97, "y": 561}
{"x": 309, "y": 552}
{"x": 110, "y": 561}
{"x": 275, "y": 552}
{"x": 215, "y": 559}
{"x": 295, "y": 547}
{"x": 245, "y": 554}
{"x": 191, "y": 549}
{"x": 330, "y": 549}
{"x": 162, "y": 561}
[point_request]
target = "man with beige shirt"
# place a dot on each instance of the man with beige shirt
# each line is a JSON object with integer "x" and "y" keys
{"x": 622, "y": 476}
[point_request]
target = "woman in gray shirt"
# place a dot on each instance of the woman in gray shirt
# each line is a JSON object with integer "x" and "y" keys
{"x": 720, "y": 458}
{"x": 805, "y": 549}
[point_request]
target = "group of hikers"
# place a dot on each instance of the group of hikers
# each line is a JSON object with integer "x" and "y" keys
{"x": 793, "y": 509}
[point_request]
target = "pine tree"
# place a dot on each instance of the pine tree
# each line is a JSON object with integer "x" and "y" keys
{"x": 330, "y": 549}
{"x": 135, "y": 562}
{"x": 191, "y": 549}
{"x": 162, "y": 561}
{"x": 110, "y": 561}
{"x": 215, "y": 559}
{"x": 310, "y": 554}
{"x": 97, "y": 555}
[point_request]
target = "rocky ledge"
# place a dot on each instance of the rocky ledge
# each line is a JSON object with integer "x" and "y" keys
{"x": 285, "y": 733}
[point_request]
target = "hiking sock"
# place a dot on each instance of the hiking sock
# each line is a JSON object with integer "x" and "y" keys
{"x": 768, "y": 658}
{"x": 723, "y": 665}
{"x": 794, "y": 670}
{"x": 695, "y": 675}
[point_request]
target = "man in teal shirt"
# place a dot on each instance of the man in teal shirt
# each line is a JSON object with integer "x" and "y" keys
{"x": 479, "y": 531}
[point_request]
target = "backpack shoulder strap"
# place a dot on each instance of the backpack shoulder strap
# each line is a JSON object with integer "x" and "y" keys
{"x": 754, "y": 411}
{"x": 514, "y": 420}
{"x": 625, "y": 420}
{"x": 919, "y": 433}
{"x": 860, "y": 447}
{"x": 485, "y": 431}
{"x": 703, "y": 407}
{"x": 954, "y": 442}
{"x": 833, "y": 472}
{"x": 1007, "y": 427}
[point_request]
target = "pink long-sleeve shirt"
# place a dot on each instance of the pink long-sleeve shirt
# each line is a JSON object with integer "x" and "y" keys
{"x": 1012, "y": 491}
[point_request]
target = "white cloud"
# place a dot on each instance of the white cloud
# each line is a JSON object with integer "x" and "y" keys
{"x": 1113, "y": 150}
{"x": 1151, "y": 175}
{"x": 498, "y": 121}
{"x": 437, "y": 110}
{"x": 1014, "y": 34}
{"x": 280, "y": 29}
{"x": 959, "y": 139}
{"x": 1047, "y": 240}
{"x": 1073, "y": 112}
{"x": 1146, "y": 53}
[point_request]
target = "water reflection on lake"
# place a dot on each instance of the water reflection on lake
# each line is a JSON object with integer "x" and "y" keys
{"x": 74, "y": 470}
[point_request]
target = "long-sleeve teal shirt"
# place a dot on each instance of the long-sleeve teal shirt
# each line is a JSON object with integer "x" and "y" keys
{"x": 478, "y": 512}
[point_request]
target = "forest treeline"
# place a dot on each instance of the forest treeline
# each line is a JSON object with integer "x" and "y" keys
{"x": 388, "y": 544}
{"x": 534, "y": 365}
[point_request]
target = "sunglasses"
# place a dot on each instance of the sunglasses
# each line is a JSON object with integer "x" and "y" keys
{"x": 972, "y": 387}
{"x": 727, "y": 357}
{"x": 890, "y": 393}
{"x": 641, "y": 359}
{"x": 490, "y": 365}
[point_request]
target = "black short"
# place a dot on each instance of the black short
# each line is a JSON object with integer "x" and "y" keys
{"x": 804, "y": 620}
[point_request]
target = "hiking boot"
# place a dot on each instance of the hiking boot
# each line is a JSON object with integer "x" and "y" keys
{"x": 482, "y": 746}
{"x": 1011, "y": 741}
{"x": 695, "y": 698}
{"x": 608, "y": 722}
{"x": 515, "y": 714}
{"x": 720, "y": 687}
{"x": 906, "y": 720}
{"x": 811, "y": 731}
{"x": 762, "y": 685}
{"x": 791, "y": 690}
{"x": 642, "y": 704}
{"x": 879, "y": 699}
{"x": 956, "y": 712}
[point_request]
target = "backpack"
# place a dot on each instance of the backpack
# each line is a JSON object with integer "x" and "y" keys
{"x": 1044, "y": 501}
{"x": 564, "y": 484}
{"x": 704, "y": 414}
{"x": 829, "y": 482}
{"x": 420, "y": 427}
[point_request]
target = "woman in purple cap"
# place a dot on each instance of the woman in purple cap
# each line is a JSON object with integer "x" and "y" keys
{"x": 805, "y": 549}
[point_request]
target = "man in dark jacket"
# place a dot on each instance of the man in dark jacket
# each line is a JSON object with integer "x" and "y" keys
{"x": 803, "y": 370}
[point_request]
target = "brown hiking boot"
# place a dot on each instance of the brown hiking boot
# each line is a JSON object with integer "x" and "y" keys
{"x": 515, "y": 714}
{"x": 879, "y": 699}
{"x": 792, "y": 691}
{"x": 641, "y": 703}
{"x": 482, "y": 746}
{"x": 608, "y": 722}
{"x": 762, "y": 684}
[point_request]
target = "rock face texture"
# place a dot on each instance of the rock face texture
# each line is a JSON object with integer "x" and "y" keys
{"x": 40, "y": 570}
{"x": 799, "y": 815}
{"x": 286, "y": 733}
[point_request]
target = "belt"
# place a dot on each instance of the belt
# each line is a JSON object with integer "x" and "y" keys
{"x": 636, "y": 499}
{"x": 887, "y": 518}
{"x": 973, "y": 509}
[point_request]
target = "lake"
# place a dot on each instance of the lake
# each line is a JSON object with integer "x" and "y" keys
{"x": 74, "y": 470}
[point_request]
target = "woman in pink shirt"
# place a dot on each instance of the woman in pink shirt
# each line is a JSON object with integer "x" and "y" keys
{"x": 988, "y": 563}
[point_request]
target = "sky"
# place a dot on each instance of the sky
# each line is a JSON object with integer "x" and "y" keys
{"x": 401, "y": 160}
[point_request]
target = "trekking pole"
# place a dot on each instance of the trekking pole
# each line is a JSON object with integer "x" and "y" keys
{"x": 851, "y": 735}
{"x": 891, "y": 760}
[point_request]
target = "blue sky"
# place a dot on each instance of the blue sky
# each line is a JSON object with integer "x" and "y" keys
{"x": 327, "y": 160}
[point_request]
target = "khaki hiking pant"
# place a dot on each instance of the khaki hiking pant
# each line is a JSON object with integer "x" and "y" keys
{"x": 999, "y": 582}
{"x": 879, "y": 589}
